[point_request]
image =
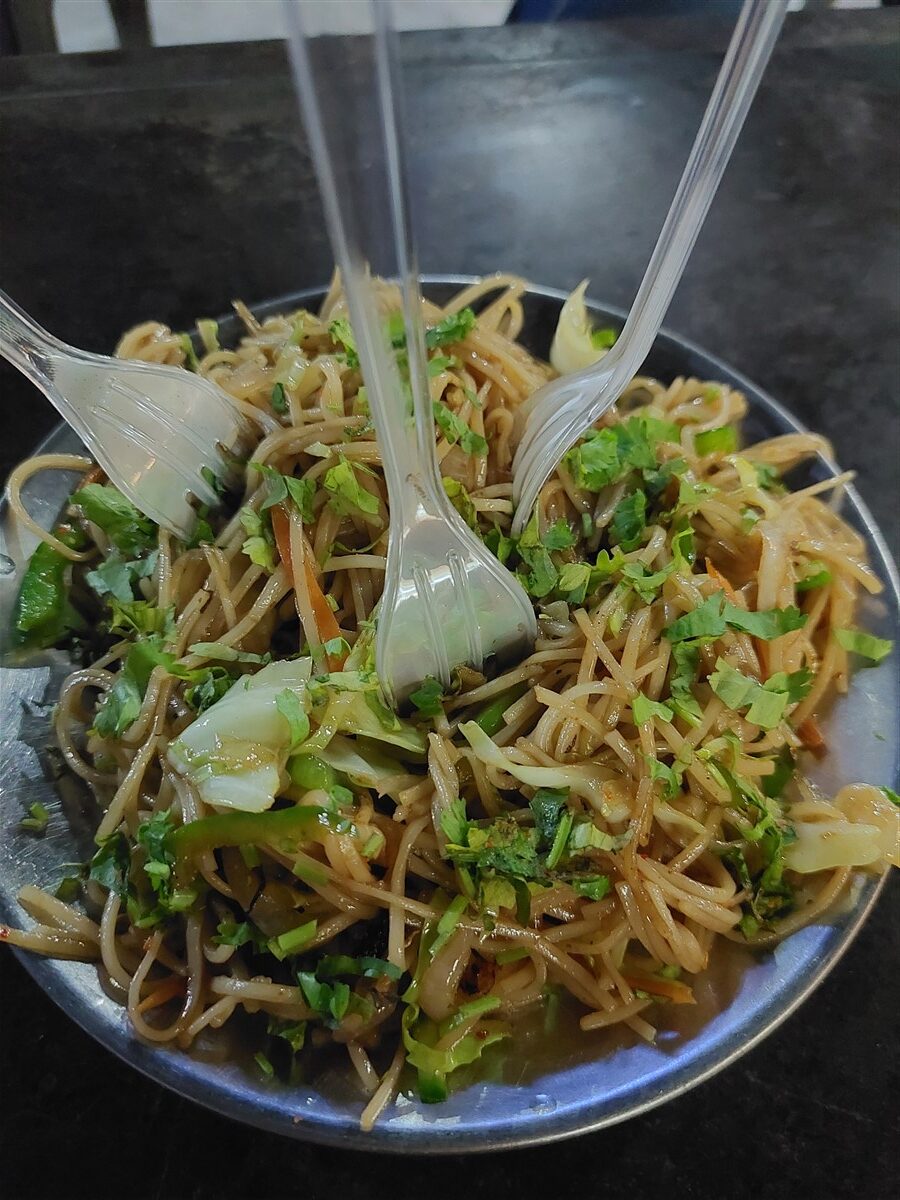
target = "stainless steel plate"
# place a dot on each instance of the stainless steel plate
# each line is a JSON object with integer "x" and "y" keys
{"x": 543, "y": 1087}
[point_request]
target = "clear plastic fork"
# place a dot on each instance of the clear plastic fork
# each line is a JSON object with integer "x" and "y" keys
{"x": 561, "y": 411}
{"x": 447, "y": 601}
{"x": 161, "y": 434}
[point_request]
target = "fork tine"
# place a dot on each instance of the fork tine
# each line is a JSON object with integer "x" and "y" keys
{"x": 464, "y": 598}
{"x": 155, "y": 450}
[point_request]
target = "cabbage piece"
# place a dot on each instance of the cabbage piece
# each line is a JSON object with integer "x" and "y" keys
{"x": 824, "y": 845}
{"x": 363, "y": 713}
{"x": 363, "y": 765}
{"x": 575, "y": 344}
{"x": 869, "y": 805}
{"x": 235, "y": 752}
{"x": 583, "y": 779}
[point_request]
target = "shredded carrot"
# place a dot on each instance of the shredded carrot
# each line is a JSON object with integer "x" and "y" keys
{"x": 671, "y": 989}
{"x": 327, "y": 627}
{"x": 167, "y": 990}
{"x": 725, "y": 584}
{"x": 281, "y": 527}
{"x": 811, "y": 736}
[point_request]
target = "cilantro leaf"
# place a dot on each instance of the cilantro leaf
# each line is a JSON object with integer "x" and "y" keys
{"x": 461, "y": 501}
{"x": 278, "y": 399}
{"x": 643, "y": 709}
{"x": 864, "y": 644}
{"x": 574, "y": 580}
{"x": 140, "y": 617}
{"x": 766, "y": 703}
{"x": 233, "y": 933}
{"x": 209, "y": 685}
{"x": 129, "y": 530}
{"x": 629, "y": 520}
{"x": 644, "y": 582}
{"x": 559, "y": 536}
{"x": 670, "y": 777}
{"x": 111, "y": 863}
{"x": 548, "y": 806}
{"x": 542, "y": 574}
{"x": 428, "y": 696}
{"x": 281, "y": 487}
{"x": 715, "y": 615}
{"x": 452, "y": 328}
{"x": 455, "y": 429}
{"x": 454, "y": 822}
{"x": 595, "y": 463}
{"x": 347, "y": 496}
{"x": 116, "y": 576}
{"x": 288, "y": 704}
{"x": 340, "y": 332}
{"x": 260, "y": 544}
{"x": 122, "y": 703}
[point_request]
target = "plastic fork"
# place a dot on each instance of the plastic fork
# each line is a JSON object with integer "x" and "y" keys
{"x": 156, "y": 431}
{"x": 447, "y": 601}
{"x": 559, "y": 413}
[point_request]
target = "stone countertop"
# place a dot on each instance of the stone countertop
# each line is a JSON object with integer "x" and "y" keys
{"x": 163, "y": 184}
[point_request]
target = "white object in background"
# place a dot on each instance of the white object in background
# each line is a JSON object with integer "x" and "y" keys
{"x": 83, "y": 25}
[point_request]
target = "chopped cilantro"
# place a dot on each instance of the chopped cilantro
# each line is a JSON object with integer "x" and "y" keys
{"x": 288, "y": 704}
{"x": 766, "y": 703}
{"x": 279, "y": 400}
{"x": 644, "y": 709}
{"x": 209, "y": 685}
{"x": 129, "y": 530}
{"x": 122, "y": 703}
{"x": 461, "y": 501}
{"x": 452, "y": 328}
{"x": 428, "y": 696}
{"x": 864, "y": 644}
{"x": 281, "y": 487}
{"x": 629, "y": 520}
{"x": 559, "y": 536}
{"x": 716, "y": 614}
{"x": 346, "y": 493}
{"x": 341, "y": 333}
{"x": 455, "y": 429}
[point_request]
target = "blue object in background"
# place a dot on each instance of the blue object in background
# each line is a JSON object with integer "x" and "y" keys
{"x": 581, "y": 10}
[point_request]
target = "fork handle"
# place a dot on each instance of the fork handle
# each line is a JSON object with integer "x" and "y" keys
{"x": 25, "y": 344}
{"x": 356, "y": 141}
{"x": 749, "y": 50}
{"x": 40, "y": 356}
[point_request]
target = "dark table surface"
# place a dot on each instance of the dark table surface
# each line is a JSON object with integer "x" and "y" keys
{"x": 164, "y": 184}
